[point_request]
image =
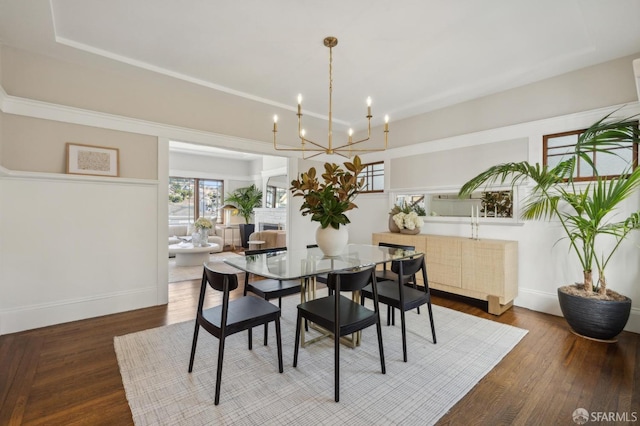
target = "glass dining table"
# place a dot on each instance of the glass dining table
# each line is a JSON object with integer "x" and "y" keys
{"x": 305, "y": 264}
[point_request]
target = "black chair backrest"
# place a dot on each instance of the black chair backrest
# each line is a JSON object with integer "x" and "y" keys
{"x": 265, "y": 250}
{"x": 217, "y": 279}
{"x": 352, "y": 280}
{"x": 409, "y": 266}
{"x": 397, "y": 246}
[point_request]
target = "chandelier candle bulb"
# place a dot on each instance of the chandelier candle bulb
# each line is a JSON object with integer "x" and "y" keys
{"x": 299, "y": 104}
{"x": 350, "y": 135}
{"x": 275, "y": 123}
{"x": 369, "y": 107}
{"x": 386, "y": 123}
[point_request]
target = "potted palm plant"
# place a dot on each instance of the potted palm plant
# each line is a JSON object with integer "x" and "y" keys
{"x": 587, "y": 215}
{"x": 328, "y": 200}
{"x": 246, "y": 199}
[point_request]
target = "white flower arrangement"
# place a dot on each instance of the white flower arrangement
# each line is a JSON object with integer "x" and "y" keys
{"x": 409, "y": 220}
{"x": 203, "y": 223}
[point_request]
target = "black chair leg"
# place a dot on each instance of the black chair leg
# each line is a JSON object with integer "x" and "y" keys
{"x": 193, "y": 346}
{"x": 297, "y": 342}
{"x": 250, "y": 337}
{"x": 279, "y": 337}
{"x": 266, "y": 326}
{"x": 336, "y": 344}
{"x": 404, "y": 336}
{"x": 433, "y": 327}
{"x": 219, "y": 372}
{"x": 266, "y": 333}
{"x": 380, "y": 347}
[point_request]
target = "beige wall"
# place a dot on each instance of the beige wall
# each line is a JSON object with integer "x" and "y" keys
{"x": 610, "y": 83}
{"x": 453, "y": 167}
{"x": 1, "y": 133}
{"x": 37, "y": 145}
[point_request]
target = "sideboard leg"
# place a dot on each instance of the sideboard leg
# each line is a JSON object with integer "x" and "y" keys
{"x": 495, "y": 307}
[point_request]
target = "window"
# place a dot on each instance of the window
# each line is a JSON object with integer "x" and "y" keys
{"x": 276, "y": 192}
{"x": 186, "y": 203}
{"x": 559, "y": 147}
{"x": 373, "y": 174}
{"x": 210, "y": 196}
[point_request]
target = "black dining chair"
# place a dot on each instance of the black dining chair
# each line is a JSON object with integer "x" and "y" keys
{"x": 268, "y": 288}
{"x": 231, "y": 317}
{"x": 396, "y": 294}
{"x": 340, "y": 315}
{"x": 386, "y": 274}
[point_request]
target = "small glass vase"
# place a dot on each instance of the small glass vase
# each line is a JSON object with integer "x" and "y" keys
{"x": 204, "y": 237}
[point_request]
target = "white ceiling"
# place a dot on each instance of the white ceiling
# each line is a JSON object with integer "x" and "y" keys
{"x": 410, "y": 56}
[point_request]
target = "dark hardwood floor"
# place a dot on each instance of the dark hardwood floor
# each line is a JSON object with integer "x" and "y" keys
{"x": 68, "y": 374}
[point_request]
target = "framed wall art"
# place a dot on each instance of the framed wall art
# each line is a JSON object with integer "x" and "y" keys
{"x": 92, "y": 160}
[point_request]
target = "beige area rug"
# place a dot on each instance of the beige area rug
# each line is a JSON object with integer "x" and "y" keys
{"x": 160, "y": 391}
{"x": 184, "y": 273}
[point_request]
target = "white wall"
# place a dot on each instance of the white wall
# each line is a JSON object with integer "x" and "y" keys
{"x": 76, "y": 247}
{"x": 210, "y": 167}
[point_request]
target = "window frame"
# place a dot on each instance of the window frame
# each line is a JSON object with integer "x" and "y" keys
{"x": 369, "y": 175}
{"x": 592, "y": 177}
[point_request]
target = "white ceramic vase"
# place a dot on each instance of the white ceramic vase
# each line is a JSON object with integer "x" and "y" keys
{"x": 332, "y": 241}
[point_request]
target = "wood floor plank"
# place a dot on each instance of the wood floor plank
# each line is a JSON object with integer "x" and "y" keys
{"x": 21, "y": 374}
{"x": 68, "y": 373}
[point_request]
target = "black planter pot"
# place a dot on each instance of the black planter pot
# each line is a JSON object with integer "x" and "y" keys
{"x": 246, "y": 229}
{"x": 593, "y": 318}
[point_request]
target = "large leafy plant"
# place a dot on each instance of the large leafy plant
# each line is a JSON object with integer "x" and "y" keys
{"x": 587, "y": 212}
{"x": 246, "y": 200}
{"x": 327, "y": 200}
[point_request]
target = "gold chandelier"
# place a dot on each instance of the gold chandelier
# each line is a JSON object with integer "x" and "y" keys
{"x": 346, "y": 150}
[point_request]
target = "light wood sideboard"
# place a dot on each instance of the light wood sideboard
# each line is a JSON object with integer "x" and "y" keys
{"x": 480, "y": 269}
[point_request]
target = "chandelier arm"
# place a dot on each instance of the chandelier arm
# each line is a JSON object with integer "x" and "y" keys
{"x": 311, "y": 156}
{"x": 342, "y": 155}
{"x": 359, "y": 150}
{"x": 303, "y": 140}
{"x": 351, "y": 144}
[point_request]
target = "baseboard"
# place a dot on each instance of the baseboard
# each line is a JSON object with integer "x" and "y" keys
{"x": 42, "y": 315}
{"x": 548, "y": 303}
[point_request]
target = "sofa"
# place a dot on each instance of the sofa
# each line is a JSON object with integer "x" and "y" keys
{"x": 176, "y": 231}
{"x": 271, "y": 238}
